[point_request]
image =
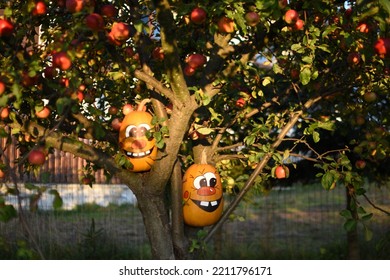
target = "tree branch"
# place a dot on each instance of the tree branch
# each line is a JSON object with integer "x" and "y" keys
{"x": 376, "y": 207}
{"x": 171, "y": 51}
{"x": 259, "y": 168}
{"x": 80, "y": 149}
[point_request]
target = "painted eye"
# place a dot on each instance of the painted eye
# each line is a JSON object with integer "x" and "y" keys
{"x": 142, "y": 129}
{"x": 211, "y": 179}
{"x": 130, "y": 131}
{"x": 199, "y": 182}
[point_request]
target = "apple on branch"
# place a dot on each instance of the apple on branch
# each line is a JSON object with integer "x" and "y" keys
{"x": 198, "y": 15}
{"x": 6, "y": 28}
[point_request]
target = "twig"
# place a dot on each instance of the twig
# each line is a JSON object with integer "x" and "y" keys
{"x": 376, "y": 207}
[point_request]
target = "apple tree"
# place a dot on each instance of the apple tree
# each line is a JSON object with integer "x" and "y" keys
{"x": 253, "y": 86}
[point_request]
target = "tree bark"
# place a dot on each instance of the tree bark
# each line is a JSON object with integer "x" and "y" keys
{"x": 353, "y": 249}
{"x": 156, "y": 221}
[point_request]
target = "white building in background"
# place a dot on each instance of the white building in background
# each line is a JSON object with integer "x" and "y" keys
{"x": 73, "y": 195}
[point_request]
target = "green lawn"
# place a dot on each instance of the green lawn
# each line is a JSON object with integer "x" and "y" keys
{"x": 302, "y": 222}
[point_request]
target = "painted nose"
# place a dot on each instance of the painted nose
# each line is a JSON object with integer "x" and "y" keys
{"x": 205, "y": 191}
{"x": 138, "y": 144}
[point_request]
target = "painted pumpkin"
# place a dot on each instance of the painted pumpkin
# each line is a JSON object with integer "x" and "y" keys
{"x": 136, "y": 141}
{"x": 202, "y": 195}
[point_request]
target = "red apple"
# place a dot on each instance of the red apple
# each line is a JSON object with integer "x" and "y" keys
{"x": 50, "y": 72}
{"x": 225, "y": 25}
{"x": 64, "y": 82}
{"x": 44, "y": 113}
{"x": 6, "y": 28}
{"x": 116, "y": 124}
{"x": 370, "y": 96}
{"x": 294, "y": 74}
{"x": 113, "y": 110}
{"x": 363, "y": 27}
{"x": 36, "y": 157}
{"x": 196, "y": 60}
{"x": 2, "y": 174}
{"x": 299, "y": 24}
{"x": 78, "y": 96}
{"x": 108, "y": 10}
{"x": 348, "y": 13}
{"x": 281, "y": 172}
{"x": 61, "y": 60}
{"x": 198, "y": 15}
{"x": 94, "y": 21}
{"x": 189, "y": 71}
{"x": 360, "y": 164}
{"x": 382, "y": 47}
{"x": 158, "y": 53}
{"x": 28, "y": 81}
{"x": 252, "y": 18}
{"x": 240, "y": 102}
{"x": 282, "y": 4}
{"x": 39, "y": 9}
{"x": 74, "y": 6}
{"x": 360, "y": 120}
{"x": 4, "y": 113}
{"x": 353, "y": 58}
{"x": 127, "y": 108}
{"x": 129, "y": 52}
{"x": 2, "y": 87}
{"x": 120, "y": 31}
{"x": 291, "y": 16}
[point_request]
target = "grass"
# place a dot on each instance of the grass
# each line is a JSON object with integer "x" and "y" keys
{"x": 295, "y": 223}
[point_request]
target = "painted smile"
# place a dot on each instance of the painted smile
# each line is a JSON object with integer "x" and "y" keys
{"x": 139, "y": 154}
{"x": 208, "y": 206}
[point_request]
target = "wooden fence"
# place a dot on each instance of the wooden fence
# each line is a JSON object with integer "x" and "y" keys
{"x": 60, "y": 167}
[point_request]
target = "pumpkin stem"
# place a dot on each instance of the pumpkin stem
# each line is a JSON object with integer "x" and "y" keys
{"x": 141, "y": 106}
{"x": 203, "y": 157}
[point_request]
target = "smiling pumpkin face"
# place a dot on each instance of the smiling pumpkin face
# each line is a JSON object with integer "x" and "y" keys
{"x": 136, "y": 141}
{"x": 202, "y": 195}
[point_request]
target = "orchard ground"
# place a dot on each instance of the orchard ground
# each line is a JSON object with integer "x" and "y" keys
{"x": 299, "y": 222}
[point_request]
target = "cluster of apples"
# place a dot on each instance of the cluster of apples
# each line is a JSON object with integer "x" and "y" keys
{"x": 291, "y": 17}
{"x": 225, "y": 24}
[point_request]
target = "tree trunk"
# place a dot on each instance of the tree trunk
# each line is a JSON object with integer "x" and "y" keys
{"x": 156, "y": 221}
{"x": 353, "y": 250}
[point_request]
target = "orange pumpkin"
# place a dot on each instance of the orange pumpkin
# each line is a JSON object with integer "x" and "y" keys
{"x": 136, "y": 141}
{"x": 202, "y": 195}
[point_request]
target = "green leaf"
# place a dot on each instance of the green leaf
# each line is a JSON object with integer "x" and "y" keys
{"x": 204, "y": 130}
{"x": 324, "y": 48}
{"x": 297, "y": 48}
{"x": 250, "y": 140}
{"x": 305, "y": 76}
{"x": 57, "y": 201}
{"x": 327, "y": 125}
{"x": 7, "y": 212}
{"x": 267, "y": 81}
{"x": 386, "y": 5}
{"x": 30, "y": 186}
{"x": 346, "y": 214}
{"x": 329, "y": 179}
{"x": 277, "y": 69}
{"x": 368, "y": 234}
{"x": 61, "y": 104}
{"x": 350, "y": 225}
{"x": 307, "y": 59}
{"x": 316, "y": 137}
{"x": 3, "y": 100}
{"x": 367, "y": 217}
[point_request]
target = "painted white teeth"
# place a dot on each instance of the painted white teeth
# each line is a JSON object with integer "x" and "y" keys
{"x": 213, "y": 203}
{"x": 141, "y": 154}
{"x": 204, "y": 203}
